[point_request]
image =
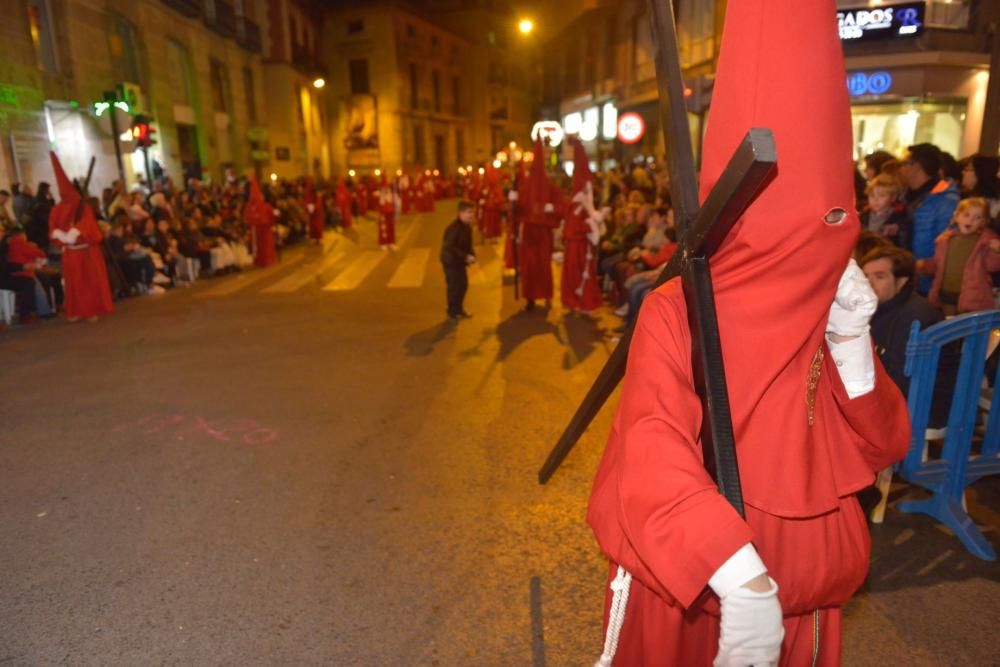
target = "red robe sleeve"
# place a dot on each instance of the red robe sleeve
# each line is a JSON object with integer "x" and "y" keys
{"x": 880, "y": 418}
{"x": 654, "y": 508}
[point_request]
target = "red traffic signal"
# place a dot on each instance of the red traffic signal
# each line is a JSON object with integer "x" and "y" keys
{"x": 142, "y": 132}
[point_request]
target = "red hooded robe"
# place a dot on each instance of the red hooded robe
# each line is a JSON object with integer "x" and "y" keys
{"x": 311, "y": 199}
{"x": 579, "y": 287}
{"x": 494, "y": 202}
{"x": 536, "y": 235}
{"x": 386, "y": 214}
{"x": 343, "y": 197}
{"x": 88, "y": 292}
{"x": 804, "y": 447}
{"x": 514, "y": 218}
{"x": 259, "y": 216}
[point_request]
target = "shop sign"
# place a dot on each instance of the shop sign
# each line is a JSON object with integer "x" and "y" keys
{"x": 631, "y": 127}
{"x": 548, "y": 129}
{"x": 868, "y": 83}
{"x": 862, "y": 24}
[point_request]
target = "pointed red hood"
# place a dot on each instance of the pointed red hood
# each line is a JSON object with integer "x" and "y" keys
{"x": 539, "y": 191}
{"x": 581, "y": 166}
{"x": 257, "y": 211}
{"x": 63, "y": 214}
{"x": 777, "y": 272}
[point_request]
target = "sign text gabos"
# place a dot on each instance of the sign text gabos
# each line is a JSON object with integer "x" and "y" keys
{"x": 871, "y": 23}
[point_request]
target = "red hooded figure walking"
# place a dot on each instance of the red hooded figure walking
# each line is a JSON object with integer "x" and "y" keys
{"x": 814, "y": 414}
{"x": 581, "y": 233}
{"x": 493, "y": 204}
{"x": 259, "y": 216}
{"x": 541, "y": 205}
{"x": 386, "y": 216}
{"x": 314, "y": 207}
{"x": 343, "y": 198}
{"x": 73, "y": 226}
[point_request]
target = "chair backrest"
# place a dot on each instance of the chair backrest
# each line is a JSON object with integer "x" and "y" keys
{"x": 923, "y": 355}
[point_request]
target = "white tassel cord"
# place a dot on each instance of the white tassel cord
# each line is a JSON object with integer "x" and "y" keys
{"x": 616, "y": 616}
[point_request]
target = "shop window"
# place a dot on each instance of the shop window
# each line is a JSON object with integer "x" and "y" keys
{"x": 250, "y": 94}
{"x": 358, "y": 69}
{"x": 123, "y": 44}
{"x": 355, "y": 27}
{"x": 42, "y": 37}
{"x": 895, "y": 126}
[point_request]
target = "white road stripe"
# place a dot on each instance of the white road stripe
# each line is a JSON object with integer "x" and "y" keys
{"x": 358, "y": 270}
{"x": 308, "y": 274}
{"x": 411, "y": 270}
{"x": 244, "y": 280}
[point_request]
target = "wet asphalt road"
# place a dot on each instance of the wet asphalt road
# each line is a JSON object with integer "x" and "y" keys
{"x": 237, "y": 476}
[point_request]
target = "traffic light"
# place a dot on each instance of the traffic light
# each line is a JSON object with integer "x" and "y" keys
{"x": 142, "y": 132}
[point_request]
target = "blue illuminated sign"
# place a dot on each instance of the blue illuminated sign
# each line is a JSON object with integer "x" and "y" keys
{"x": 869, "y": 83}
{"x": 862, "y": 24}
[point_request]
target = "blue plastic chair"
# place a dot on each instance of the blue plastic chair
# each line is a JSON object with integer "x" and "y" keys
{"x": 947, "y": 477}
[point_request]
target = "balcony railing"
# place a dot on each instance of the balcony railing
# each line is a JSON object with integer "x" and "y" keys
{"x": 248, "y": 35}
{"x": 189, "y": 8}
{"x": 220, "y": 17}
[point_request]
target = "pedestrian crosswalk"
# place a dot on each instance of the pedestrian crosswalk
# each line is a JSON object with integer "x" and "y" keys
{"x": 339, "y": 265}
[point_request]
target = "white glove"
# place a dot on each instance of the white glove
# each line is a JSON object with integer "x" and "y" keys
{"x": 549, "y": 208}
{"x": 512, "y": 195}
{"x": 751, "y": 629}
{"x": 72, "y": 235}
{"x": 311, "y": 208}
{"x": 854, "y": 304}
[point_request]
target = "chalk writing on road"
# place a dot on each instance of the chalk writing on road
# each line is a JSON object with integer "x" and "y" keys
{"x": 245, "y": 431}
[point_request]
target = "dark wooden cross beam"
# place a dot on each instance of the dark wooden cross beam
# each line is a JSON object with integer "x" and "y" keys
{"x": 702, "y": 230}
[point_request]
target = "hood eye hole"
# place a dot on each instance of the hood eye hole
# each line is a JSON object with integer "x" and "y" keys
{"x": 835, "y": 216}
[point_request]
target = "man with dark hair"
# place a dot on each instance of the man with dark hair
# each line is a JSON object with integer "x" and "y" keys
{"x": 456, "y": 255}
{"x": 930, "y": 203}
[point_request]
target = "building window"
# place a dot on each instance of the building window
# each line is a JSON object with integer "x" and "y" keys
{"x": 178, "y": 71}
{"x": 642, "y": 52}
{"x": 220, "y": 86}
{"x": 436, "y": 87}
{"x": 359, "y": 76}
{"x": 456, "y": 95}
{"x": 611, "y": 52}
{"x": 123, "y": 43}
{"x": 460, "y": 145}
{"x": 355, "y": 27}
{"x": 414, "y": 92}
{"x": 410, "y": 31}
{"x": 249, "y": 92}
{"x": 40, "y": 25}
{"x": 590, "y": 59}
{"x": 419, "y": 154}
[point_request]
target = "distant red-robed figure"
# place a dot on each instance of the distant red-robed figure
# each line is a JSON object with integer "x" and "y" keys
{"x": 493, "y": 205}
{"x": 73, "y": 226}
{"x": 343, "y": 198}
{"x": 541, "y": 205}
{"x": 386, "y": 215}
{"x": 581, "y": 234}
{"x": 259, "y": 216}
{"x": 314, "y": 207}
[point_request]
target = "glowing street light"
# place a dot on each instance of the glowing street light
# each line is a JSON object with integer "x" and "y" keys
{"x": 319, "y": 82}
{"x": 526, "y": 26}
{"x": 274, "y": 176}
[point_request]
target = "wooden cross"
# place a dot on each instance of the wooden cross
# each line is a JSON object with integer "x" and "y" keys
{"x": 702, "y": 230}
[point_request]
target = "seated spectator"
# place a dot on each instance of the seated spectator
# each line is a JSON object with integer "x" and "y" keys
{"x": 134, "y": 262}
{"x": 891, "y": 271}
{"x": 48, "y": 287}
{"x": 963, "y": 259}
{"x": 10, "y": 280}
{"x": 223, "y": 259}
{"x": 638, "y": 258}
{"x": 136, "y": 213}
{"x": 885, "y": 214}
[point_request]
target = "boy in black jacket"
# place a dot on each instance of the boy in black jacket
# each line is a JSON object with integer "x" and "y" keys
{"x": 456, "y": 255}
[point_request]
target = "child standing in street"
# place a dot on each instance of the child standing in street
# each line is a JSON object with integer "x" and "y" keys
{"x": 964, "y": 257}
{"x": 456, "y": 255}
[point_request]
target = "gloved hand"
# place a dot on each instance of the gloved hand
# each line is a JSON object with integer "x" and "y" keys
{"x": 512, "y": 195}
{"x": 751, "y": 629}
{"x": 549, "y": 208}
{"x": 853, "y": 305}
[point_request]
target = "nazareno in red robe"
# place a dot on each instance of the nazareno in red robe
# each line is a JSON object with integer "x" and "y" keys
{"x": 316, "y": 222}
{"x": 343, "y": 197}
{"x": 535, "y": 250}
{"x": 386, "y": 215}
{"x": 804, "y": 447}
{"x": 494, "y": 203}
{"x": 579, "y": 287}
{"x": 514, "y": 218}
{"x": 88, "y": 292}
{"x": 259, "y": 216}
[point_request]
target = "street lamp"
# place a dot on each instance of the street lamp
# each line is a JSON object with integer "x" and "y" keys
{"x": 526, "y": 26}
{"x": 319, "y": 82}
